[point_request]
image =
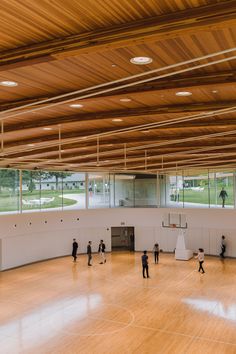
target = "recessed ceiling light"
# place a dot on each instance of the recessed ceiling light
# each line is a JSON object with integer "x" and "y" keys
{"x": 30, "y": 144}
{"x": 117, "y": 120}
{"x": 183, "y": 93}
{"x": 125, "y": 99}
{"x": 215, "y": 91}
{"x": 113, "y": 65}
{"x": 146, "y": 131}
{"x": 141, "y": 60}
{"x": 76, "y": 105}
{"x": 8, "y": 83}
{"x": 47, "y": 128}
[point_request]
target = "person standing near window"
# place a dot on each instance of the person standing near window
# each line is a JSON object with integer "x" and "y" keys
{"x": 223, "y": 195}
{"x": 74, "y": 249}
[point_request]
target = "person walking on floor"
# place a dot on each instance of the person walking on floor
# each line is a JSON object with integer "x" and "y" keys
{"x": 89, "y": 252}
{"x": 156, "y": 253}
{"x": 223, "y": 195}
{"x": 144, "y": 259}
{"x": 223, "y": 247}
{"x": 200, "y": 257}
{"x": 74, "y": 249}
{"x": 101, "y": 251}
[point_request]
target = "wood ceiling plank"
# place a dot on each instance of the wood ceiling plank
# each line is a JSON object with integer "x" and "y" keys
{"x": 218, "y": 15}
{"x": 126, "y": 113}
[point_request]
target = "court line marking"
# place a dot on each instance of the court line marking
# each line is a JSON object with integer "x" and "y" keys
{"x": 184, "y": 335}
{"x": 102, "y": 319}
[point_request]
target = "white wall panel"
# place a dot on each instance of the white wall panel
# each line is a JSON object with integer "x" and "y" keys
{"x": 36, "y": 236}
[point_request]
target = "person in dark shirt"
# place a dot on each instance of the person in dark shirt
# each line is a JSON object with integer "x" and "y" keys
{"x": 145, "y": 264}
{"x": 223, "y": 195}
{"x": 101, "y": 251}
{"x": 223, "y": 247}
{"x": 89, "y": 252}
{"x": 74, "y": 249}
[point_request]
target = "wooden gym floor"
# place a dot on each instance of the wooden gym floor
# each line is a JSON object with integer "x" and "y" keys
{"x": 60, "y": 307}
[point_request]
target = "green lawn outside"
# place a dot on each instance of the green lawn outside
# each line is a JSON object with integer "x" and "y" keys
{"x": 201, "y": 197}
{"x": 11, "y": 202}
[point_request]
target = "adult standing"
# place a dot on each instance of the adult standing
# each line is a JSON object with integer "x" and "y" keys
{"x": 74, "y": 249}
{"x": 145, "y": 264}
{"x": 223, "y": 195}
{"x": 200, "y": 257}
{"x": 223, "y": 246}
{"x": 89, "y": 252}
{"x": 156, "y": 253}
{"x": 101, "y": 251}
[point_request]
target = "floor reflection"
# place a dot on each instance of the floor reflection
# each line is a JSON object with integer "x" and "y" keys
{"x": 216, "y": 308}
{"x": 47, "y": 321}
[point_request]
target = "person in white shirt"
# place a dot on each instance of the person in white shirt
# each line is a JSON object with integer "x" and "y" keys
{"x": 200, "y": 257}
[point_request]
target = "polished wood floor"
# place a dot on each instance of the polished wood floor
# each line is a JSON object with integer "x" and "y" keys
{"x": 60, "y": 307}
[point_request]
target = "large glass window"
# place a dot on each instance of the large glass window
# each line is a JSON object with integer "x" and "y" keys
{"x": 224, "y": 189}
{"x": 52, "y": 191}
{"x": 31, "y": 190}
{"x": 9, "y": 190}
{"x": 44, "y": 190}
{"x": 74, "y": 191}
{"x": 174, "y": 191}
{"x": 145, "y": 187}
{"x": 99, "y": 190}
{"x": 124, "y": 190}
{"x": 196, "y": 193}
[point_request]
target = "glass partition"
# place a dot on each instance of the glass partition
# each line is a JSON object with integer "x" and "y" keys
{"x": 74, "y": 191}
{"x": 98, "y": 190}
{"x": 124, "y": 190}
{"x": 145, "y": 191}
{"x": 9, "y": 191}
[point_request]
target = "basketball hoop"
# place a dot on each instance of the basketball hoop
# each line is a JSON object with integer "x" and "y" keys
{"x": 173, "y": 226}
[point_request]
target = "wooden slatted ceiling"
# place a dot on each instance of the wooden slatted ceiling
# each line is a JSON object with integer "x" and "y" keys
{"x": 78, "y": 72}
{"x": 148, "y": 103}
{"x": 32, "y": 21}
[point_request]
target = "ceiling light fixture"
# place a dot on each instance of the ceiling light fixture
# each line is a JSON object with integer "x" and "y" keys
{"x": 183, "y": 93}
{"x": 8, "y": 83}
{"x": 47, "y": 128}
{"x": 141, "y": 60}
{"x": 214, "y": 91}
{"x": 125, "y": 99}
{"x": 117, "y": 120}
{"x": 76, "y": 105}
{"x": 30, "y": 144}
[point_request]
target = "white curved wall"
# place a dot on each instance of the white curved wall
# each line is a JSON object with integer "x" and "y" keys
{"x": 32, "y": 237}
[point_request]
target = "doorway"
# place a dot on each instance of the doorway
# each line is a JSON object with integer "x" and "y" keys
{"x": 122, "y": 238}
